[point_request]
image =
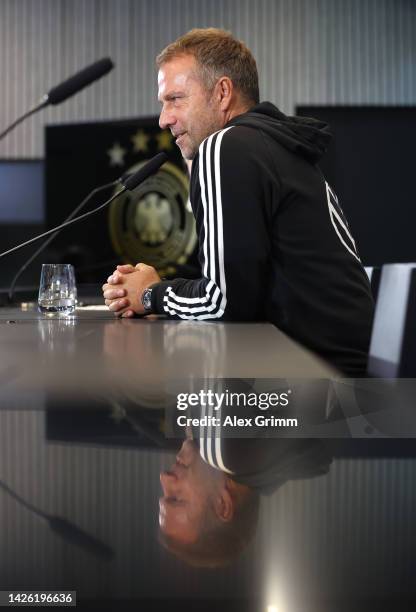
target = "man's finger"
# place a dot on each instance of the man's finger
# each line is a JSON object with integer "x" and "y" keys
{"x": 125, "y": 268}
{"x": 114, "y": 278}
{"x": 118, "y": 304}
{"x": 111, "y": 294}
{"x": 127, "y": 314}
{"x": 142, "y": 267}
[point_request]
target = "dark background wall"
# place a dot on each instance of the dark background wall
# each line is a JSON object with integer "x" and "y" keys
{"x": 370, "y": 164}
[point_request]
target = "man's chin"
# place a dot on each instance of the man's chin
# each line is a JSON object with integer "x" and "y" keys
{"x": 187, "y": 152}
{"x": 188, "y": 155}
{"x": 178, "y": 536}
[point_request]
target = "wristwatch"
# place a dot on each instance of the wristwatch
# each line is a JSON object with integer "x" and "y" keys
{"x": 147, "y": 299}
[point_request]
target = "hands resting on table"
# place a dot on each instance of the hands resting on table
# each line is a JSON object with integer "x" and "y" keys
{"x": 123, "y": 289}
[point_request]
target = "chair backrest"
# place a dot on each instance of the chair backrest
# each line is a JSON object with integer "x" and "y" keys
{"x": 369, "y": 271}
{"x": 374, "y": 275}
{"x": 393, "y": 340}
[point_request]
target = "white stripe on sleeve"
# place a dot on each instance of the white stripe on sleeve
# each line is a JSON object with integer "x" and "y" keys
{"x": 212, "y": 304}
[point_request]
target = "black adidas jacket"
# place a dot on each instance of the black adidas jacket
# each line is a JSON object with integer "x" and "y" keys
{"x": 260, "y": 462}
{"x": 265, "y": 464}
{"x": 274, "y": 243}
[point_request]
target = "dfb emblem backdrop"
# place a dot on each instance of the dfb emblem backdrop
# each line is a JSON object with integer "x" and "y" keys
{"x": 154, "y": 224}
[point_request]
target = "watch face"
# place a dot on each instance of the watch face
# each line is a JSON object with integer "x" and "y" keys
{"x": 147, "y": 299}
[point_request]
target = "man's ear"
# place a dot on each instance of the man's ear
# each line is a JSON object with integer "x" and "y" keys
{"x": 224, "y": 504}
{"x": 225, "y": 90}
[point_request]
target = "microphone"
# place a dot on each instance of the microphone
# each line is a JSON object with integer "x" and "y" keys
{"x": 125, "y": 180}
{"x": 70, "y": 532}
{"x": 67, "y": 88}
{"x": 131, "y": 181}
{"x": 128, "y": 183}
{"x": 78, "y": 81}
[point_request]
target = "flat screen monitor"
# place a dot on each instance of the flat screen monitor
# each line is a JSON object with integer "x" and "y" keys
{"x": 21, "y": 191}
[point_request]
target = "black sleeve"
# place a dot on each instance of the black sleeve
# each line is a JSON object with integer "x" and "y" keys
{"x": 232, "y": 202}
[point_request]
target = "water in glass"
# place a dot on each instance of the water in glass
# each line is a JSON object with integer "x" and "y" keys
{"x": 57, "y": 291}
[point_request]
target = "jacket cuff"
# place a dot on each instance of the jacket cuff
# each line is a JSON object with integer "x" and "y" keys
{"x": 158, "y": 293}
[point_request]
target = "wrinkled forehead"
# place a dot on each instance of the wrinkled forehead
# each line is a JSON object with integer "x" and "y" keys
{"x": 177, "y": 73}
{"x": 170, "y": 81}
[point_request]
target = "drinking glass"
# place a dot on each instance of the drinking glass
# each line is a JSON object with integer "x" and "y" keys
{"x": 57, "y": 290}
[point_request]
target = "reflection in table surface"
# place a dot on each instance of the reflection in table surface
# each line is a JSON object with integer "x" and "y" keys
{"x": 80, "y": 512}
{"x": 94, "y": 351}
{"x": 328, "y": 543}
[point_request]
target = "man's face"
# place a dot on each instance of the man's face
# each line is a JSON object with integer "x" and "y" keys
{"x": 187, "y": 489}
{"x": 188, "y": 109}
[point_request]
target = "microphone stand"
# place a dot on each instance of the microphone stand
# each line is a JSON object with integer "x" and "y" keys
{"x": 49, "y": 240}
{"x": 70, "y": 532}
{"x": 59, "y": 227}
{"x": 127, "y": 184}
{"x": 44, "y": 101}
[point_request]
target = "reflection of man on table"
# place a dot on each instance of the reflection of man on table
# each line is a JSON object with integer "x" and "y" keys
{"x": 274, "y": 244}
{"x": 210, "y": 499}
{"x": 209, "y": 508}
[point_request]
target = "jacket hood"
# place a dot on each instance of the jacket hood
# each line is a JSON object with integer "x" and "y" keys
{"x": 304, "y": 136}
{"x": 282, "y": 460}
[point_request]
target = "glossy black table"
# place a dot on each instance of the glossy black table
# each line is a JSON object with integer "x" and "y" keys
{"x": 92, "y": 349}
{"x": 341, "y": 541}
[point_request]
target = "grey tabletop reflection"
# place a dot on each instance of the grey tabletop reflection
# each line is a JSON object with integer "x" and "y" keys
{"x": 340, "y": 541}
{"x": 93, "y": 350}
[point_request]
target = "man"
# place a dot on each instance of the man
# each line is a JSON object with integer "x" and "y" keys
{"x": 273, "y": 241}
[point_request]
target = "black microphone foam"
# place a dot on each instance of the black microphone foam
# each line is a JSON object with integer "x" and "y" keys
{"x": 79, "y": 80}
{"x": 144, "y": 172}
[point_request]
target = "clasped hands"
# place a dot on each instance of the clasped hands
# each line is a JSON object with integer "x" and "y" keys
{"x": 124, "y": 288}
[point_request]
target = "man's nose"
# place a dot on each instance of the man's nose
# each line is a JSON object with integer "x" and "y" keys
{"x": 188, "y": 453}
{"x": 166, "y": 119}
{"x": 167, "y": 479}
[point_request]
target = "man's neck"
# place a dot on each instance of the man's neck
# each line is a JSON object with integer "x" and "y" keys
{"x": 236, "y": 111}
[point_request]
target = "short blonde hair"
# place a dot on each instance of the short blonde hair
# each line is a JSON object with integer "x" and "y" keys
{"x": 217, "y": 54}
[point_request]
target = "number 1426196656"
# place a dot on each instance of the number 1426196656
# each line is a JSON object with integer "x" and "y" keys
{"x": 38, "y": 598}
